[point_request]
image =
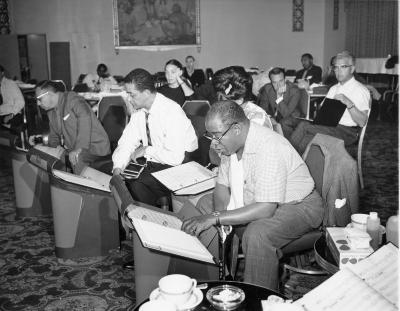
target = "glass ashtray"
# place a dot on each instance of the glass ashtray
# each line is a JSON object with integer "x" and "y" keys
{"x": 225, "y": 297}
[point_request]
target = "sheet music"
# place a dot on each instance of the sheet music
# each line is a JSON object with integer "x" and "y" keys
{"x": 184, "y": 175}
{"x": 344, "y": 291}
{"x": 55, "y": 152}
{"x": 79, "y": 180}
{"x": 171, "y": 241}
{"x": 97, "y": 176}
{"x": 380, "y": 271}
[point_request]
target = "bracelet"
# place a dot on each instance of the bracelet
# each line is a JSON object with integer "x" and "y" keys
{"x": 216, "y": 214}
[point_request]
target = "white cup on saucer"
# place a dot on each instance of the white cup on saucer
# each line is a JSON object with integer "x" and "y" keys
{"x": 359, "y": 221}
{"x": 176, "y": 288}
{"x": 157, "y": 305}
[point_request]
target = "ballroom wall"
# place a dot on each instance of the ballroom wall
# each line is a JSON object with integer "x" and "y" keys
{"x": 250, "y": 33}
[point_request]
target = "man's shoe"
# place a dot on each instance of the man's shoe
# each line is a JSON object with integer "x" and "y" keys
{"x": 129, "y": 265}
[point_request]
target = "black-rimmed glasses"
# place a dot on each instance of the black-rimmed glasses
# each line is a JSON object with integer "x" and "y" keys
{"x": 341, "y": 67}
{"x": 218, "y": 139}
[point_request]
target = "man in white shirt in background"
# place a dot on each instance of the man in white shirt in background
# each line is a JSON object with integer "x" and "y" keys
{"x": 350, "y": 92}
{"x": 100, "y": 81}
{"x": 170, "y": 133}
{"x": 11, "y": 101}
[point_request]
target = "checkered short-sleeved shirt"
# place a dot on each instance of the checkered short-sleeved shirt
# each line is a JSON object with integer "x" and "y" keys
{"x": 273, "y": 170}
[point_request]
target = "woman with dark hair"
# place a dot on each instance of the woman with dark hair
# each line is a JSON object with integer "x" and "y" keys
{"x": 234, "y": 83}
{"x": 177, "y": 88}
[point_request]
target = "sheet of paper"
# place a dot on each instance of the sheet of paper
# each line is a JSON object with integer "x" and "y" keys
{"x": 97, "y": 176}
{"x": 154, "y": 216}
{"x": 181, "y": 176}
{"x": 381, "y": 271}
{"x": 79, "y": 180}
{"x": 197, "y": 188}
{"x": 171, "y": 241}
{"x": 344, "y": 291}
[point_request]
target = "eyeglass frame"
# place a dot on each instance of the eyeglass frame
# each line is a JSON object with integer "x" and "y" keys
{"x": 335, "y": 67}
{"x": 218, "y": 139}
{"x": 39, "y": 98}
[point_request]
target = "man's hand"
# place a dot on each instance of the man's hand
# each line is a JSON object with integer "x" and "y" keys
{"x": 196, "y": 225}
{"x": 139, "y": 152}
{"x": 344, "y": 99}
{"x": 74, "y": 156}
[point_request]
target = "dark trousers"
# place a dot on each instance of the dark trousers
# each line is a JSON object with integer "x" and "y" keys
{"x": 146, "y": 188}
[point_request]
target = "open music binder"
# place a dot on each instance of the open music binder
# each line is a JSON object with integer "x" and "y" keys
{"x": 371, "y": 284}
{"x": 187, "y": 179}
{"x": 158, "y": 229}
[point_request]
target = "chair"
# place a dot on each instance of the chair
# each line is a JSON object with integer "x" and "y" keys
{"x": 317, "y": 157}
{"x": 60, "y": 85}
{"x": 196, "y": 111}
{"x": 112, "y": 114}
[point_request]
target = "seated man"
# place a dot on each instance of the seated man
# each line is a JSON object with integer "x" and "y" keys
{"x": 100, "y": 81}
{"x": 281, "y": 99}
{"x": 350, "y": 92}
{"x": 264, "y": 190}
{"x": 11, "y": 102}
{"x": 310, "y": 72}
{"x": 73, "y": 125}
{"x": 158, "y": 131}
{"x": 195, "y": 76}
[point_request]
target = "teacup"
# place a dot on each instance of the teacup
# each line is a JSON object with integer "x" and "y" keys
{"x": 359, "y": 221}
{"x": 157, "y": 305}
{"x": 176, "y": 288}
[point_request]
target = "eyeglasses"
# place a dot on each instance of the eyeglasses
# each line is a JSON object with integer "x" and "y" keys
{"x": 39, "y": 98}
{"x": 341, "y": 67}
{"x": 218, "y": 139}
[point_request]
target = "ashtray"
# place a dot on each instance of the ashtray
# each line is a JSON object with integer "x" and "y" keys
{"x": 225, "y": 297}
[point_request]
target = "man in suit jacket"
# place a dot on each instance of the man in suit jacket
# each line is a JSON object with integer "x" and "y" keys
{"x": 73, "y": 125}
{"x": 281, "y": 100}
{"x": 310, "y": 72}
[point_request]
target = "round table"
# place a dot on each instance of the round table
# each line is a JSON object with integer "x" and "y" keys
{"x": 324, "y": 257}
{"x": 252, "y": 302}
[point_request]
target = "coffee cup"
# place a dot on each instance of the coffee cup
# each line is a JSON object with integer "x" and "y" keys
{"x": 359, "y": 221}
{"x": 176, "y": 288}
{"x": 157, "y": 305}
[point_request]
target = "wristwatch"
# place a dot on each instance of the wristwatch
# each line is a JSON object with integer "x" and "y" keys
{"x": 352, "y": 106}
{"x": 216, "y": 214}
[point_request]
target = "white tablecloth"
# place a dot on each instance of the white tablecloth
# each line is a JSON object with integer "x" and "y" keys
{"x": 374, "y": 65}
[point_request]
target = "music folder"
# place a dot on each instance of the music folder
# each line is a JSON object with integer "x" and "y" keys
{"x": 187, "y": 179}
{"x": 158, "y": 229}
{"x": 330, "y": 112}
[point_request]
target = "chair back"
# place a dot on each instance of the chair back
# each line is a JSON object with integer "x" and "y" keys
{"x": 304, "y": 103}
{"x": 60, "y": 85}
{"x": 112, "y": 114}
{"x": 196, "y": 107}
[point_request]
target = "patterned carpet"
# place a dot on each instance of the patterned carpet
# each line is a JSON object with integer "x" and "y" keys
{"x": 31, "y": 277}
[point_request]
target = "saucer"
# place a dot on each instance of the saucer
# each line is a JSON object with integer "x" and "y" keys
{"x": 195, "y": 299}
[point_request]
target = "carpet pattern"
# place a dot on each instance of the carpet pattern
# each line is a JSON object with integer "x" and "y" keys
{"x": 31, "y": 277}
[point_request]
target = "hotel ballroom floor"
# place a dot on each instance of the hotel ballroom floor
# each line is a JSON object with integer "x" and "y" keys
{"x": 31, "y": 277}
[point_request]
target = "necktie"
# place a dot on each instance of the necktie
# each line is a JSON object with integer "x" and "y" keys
{"x": 304, "y": 74}
{"x": 148, "y": 129}
{"x": 1, "y": 99}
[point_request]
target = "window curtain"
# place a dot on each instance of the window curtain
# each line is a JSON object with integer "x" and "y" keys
{"x": 371, "y": 27}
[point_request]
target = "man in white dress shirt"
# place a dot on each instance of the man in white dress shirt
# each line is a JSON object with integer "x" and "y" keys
{"x": 159, "y": 131}
{"x": 11, "y": 101}
{"x": 350, "y": 92}
{"x": 101, "y": 80}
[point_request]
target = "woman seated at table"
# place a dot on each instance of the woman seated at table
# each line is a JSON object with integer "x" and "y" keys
{"x": 234, "y": 83}
{"x": 177, "y": 88}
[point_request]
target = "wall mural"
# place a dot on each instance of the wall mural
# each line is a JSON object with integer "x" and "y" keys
{"x": 144, "y": 23}
{"x": 4, "y": 18}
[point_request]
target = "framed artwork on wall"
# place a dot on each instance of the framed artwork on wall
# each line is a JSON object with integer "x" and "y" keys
{"x": 143, "y": 24}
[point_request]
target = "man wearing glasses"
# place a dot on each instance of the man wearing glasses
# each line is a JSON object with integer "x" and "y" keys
{"x": 264, "y": 190}
{"x": 351, "y": 93}
{"x": 73, "y": 125}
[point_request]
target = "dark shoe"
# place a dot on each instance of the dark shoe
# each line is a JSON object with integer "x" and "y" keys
{"x": 129, "y": 265}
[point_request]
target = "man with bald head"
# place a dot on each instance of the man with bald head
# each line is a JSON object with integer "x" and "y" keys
{"x": 264, "y": 190}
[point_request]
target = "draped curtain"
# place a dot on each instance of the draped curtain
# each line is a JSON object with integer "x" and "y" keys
{"x": 371, "y": 27}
